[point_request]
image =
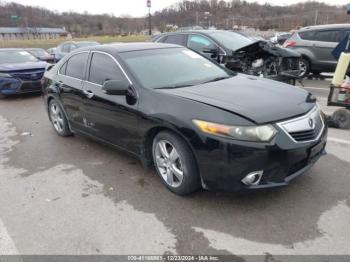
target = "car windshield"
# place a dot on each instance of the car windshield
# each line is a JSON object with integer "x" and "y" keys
{"x": 38, "y": 52}
{"x": 14, "y": 56}
{"x": 171, "y": 68}
{"x": 231, "y": 40}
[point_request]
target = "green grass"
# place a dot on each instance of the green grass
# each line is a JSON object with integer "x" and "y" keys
{"x": 55, "y": 42}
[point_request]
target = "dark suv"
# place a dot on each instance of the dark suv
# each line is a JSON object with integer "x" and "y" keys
{"x": 315, "y": 44}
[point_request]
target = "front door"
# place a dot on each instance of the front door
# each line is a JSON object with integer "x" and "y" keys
{"x": 109, "y": 117}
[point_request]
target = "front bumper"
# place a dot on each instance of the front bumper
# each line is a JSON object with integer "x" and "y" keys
{"x": 223, "y": 163}
{"x": 10, "y": 86}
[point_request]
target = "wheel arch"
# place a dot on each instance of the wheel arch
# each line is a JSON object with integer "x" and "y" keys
{"x": 147, "y": 143}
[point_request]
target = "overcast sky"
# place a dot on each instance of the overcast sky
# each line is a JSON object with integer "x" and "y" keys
{"x": 129, "y": 7}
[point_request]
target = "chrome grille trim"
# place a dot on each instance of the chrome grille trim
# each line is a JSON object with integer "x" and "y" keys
{"x": 299, "y": 129}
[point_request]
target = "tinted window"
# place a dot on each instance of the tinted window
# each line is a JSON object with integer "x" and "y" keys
{"x": 171, "y": 67}
{"x": 63, "y": 68}
{"x": 328, "y": 36}
{"x": 308, "y": 35}
{"x": 200, "y": 43}
{"x": 76, "y": 65}
{"x": 103, "y": 68}
{"x": 176, "y": 39}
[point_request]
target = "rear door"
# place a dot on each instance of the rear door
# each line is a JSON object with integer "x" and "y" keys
{"x": 324, "y": 42}
{"x": 109, "y": 117}
{"x": 70, "y": 83}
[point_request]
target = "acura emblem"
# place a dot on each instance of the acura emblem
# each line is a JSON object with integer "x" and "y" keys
{"x": 34, "y": 76}
{"x": 311, "y": 122}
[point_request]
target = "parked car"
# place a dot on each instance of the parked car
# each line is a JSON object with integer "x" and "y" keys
{"x": 280, "y": 38}
{"x": 239, "y": 53}
{"x": 20, "y": 72}
{"x": 200, "y": 124}
{"x": 41, "y": 54}
{"x": 52, "y": 51}
{"x": 315, "y": 44}
{"x": 67, "y": 47}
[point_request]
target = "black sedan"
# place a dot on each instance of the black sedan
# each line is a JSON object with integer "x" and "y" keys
{"x": 198, "y": 124}
{"x": 20, "y": 72}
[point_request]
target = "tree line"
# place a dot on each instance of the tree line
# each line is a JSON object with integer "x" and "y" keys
{"x": 218, "y": 13}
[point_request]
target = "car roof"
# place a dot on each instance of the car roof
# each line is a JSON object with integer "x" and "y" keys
{"x": 128, "y": 47}
{"x": 319, "y": 27}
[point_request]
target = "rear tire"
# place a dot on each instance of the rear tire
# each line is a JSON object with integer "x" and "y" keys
{"x": 58, "y": 119}
{"x": 175, "y": 163}
{"x": 304, "y": 66}
{"x": 342, "y": 118}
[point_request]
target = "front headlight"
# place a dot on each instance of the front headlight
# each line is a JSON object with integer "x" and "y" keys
{"x": 262, "y": 133}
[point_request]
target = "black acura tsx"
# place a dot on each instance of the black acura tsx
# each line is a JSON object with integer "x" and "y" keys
{"x": 196, "y": 123}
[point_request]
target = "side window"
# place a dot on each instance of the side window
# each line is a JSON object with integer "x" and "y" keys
{"x": 103, "y": 68}
{"x": 63, "y": 68}
{"x": 307, "y": 35}
{"x": 176, "y": 39}
{"x": 76, "y": 65}
{"x": 200, "y": 43}
{"x": 328, "y": 36}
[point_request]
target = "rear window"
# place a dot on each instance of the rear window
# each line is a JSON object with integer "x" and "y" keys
{"x": 307, "y": 35}
{"x": 328, "y": 36}
{"x": 176, "y": 39}
{"x": 76, "y": 65}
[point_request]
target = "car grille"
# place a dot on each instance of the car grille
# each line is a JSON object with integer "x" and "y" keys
{"x": 30, "y": 86}
{"x": 33, "y": 75}
{"x": 290, "y": 64}
{"x": 306, "y": 128}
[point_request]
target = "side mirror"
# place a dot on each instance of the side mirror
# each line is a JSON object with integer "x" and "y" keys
{"x": 213, "y": 51}
{"x": 116, "y": 87}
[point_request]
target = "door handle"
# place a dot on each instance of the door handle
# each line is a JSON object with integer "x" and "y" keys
{"x": 88, "y": 93}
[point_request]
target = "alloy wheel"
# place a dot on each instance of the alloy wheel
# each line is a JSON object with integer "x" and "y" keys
{"x": 57, "y": 117}
{"x": 168, "y": 163}
{"x": 302, "y": 68}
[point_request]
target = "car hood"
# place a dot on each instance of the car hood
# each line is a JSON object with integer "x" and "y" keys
{"x": 257, "y": 99}
{"x": 269, "y": 48}
{"x": 22, "y": 66}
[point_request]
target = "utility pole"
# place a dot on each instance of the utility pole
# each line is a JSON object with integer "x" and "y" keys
{"x": 149, "y": 5}
{"x": 316, "y": 16}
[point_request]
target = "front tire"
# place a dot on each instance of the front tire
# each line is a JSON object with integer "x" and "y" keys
{"x": 58, "y": 119}
{"x": 175, "y": 163}
{"x": 342, "y": 118}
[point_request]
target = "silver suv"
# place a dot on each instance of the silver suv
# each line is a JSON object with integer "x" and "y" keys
{"x": 315, "y": 44}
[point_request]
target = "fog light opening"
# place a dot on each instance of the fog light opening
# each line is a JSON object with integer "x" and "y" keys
{"x": 252, "y": 179}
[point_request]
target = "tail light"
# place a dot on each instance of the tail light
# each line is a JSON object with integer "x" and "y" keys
{"x": 289, "y": 43}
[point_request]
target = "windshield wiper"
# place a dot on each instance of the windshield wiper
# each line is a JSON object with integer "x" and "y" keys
{"x": 173, "y": 87}
{"x": 217, "y": 79}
